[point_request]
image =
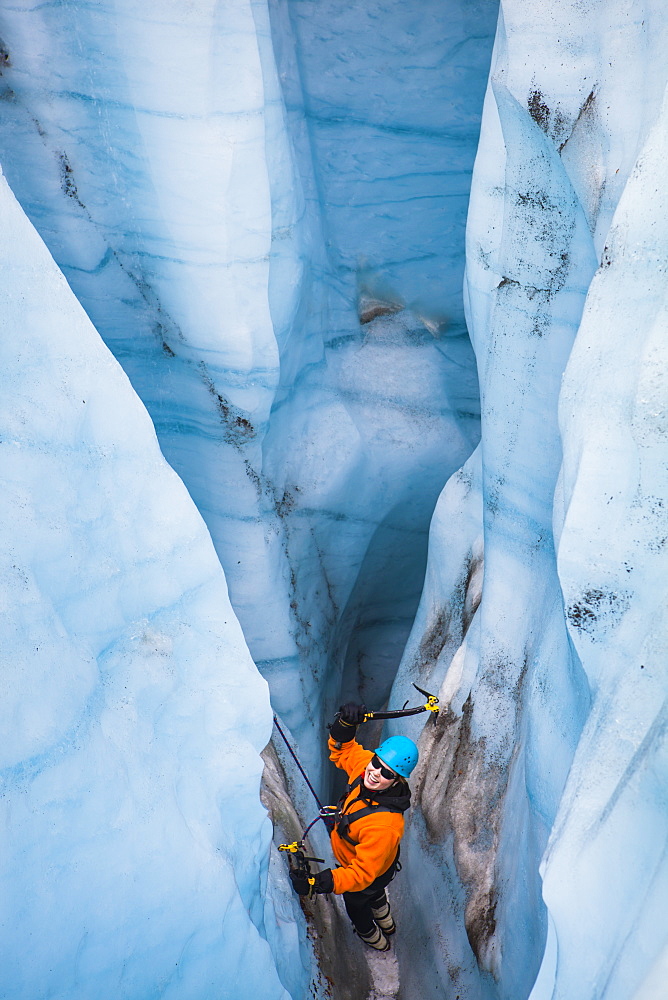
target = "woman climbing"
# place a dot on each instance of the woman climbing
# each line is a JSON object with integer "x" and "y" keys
{"x": 368, "y": 826}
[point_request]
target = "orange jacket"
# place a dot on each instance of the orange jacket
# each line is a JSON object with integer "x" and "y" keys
{"x": 377, "y": 836}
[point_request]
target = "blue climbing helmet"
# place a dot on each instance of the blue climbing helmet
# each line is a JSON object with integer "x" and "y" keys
{"x": 399, "y": 753}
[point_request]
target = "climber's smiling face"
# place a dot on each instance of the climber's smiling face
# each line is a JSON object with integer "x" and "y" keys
{"x": 376, "y": 775}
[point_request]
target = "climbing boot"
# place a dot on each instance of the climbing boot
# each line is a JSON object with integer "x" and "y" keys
{"x": 384, "y": 918}
{"x": 375, "y": 939}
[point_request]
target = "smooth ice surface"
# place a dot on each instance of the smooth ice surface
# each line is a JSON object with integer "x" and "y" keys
{"x": 132, "y": 714}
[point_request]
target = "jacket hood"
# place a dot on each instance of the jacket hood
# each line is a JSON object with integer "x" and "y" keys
{"x": 398, "y": 797}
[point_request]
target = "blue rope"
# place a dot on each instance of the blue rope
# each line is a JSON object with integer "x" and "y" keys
{"x": 294, "y": 757}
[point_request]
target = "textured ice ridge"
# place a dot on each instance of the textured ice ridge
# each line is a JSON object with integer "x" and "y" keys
{"x": 132, "y": 714}
{"x": 553, "y": 672}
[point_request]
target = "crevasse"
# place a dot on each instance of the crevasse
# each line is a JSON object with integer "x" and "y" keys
{"x": 261, "y": 208}
{"x": 314, "y": 392}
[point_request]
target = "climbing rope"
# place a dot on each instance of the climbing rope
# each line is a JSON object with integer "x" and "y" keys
{"x": 296, "y": 760}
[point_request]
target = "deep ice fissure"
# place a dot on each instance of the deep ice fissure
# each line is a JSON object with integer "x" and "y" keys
{"x": 314, "y": 445}
{"x": 275, "y": 404}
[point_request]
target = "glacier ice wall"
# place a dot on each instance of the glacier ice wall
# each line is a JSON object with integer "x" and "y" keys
{"x": 260, "y": 207}
{"x": 606, "y": 873}
{"x": 373, "y": 431}
{"x": 543, "y": 623}
{"x": 132, "y": 714}
{"x": 313, "y": 390}
{"x": 269, "y": 240}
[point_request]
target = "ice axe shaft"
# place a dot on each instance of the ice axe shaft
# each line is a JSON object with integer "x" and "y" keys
{"x": 431, "y": 705}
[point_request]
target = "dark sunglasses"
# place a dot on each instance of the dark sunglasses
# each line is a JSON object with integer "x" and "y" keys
{"x": 378, "y": 765}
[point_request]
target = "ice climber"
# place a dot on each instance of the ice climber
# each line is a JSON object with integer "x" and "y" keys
{"x": 368, "y": 826}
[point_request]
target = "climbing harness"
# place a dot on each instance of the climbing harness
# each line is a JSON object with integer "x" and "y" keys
{"x": 343, "y": 818}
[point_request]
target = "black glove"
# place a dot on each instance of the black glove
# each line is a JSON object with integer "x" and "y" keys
{"x": 352, "y": 714}
{"x": 323, "y": 881}
{"x": 345, "y": 724}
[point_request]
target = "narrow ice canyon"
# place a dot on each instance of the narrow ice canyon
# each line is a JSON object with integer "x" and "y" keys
{"x": 334, "y": 361}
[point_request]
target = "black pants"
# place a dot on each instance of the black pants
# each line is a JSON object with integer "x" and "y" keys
{"x": 358, "y": 904}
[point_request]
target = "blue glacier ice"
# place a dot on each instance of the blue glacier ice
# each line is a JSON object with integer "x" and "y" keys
{"x": 314, "y": 445}
{"x": 134, "y": 842}
{"x": 137, "y": 145}
{"x": 544, "y": 623}
{"x": 241, "y": 358}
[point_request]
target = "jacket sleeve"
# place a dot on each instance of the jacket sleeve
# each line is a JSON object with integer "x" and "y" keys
{"x": 375, "y": 852}
{"x": 350, "y": 757}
